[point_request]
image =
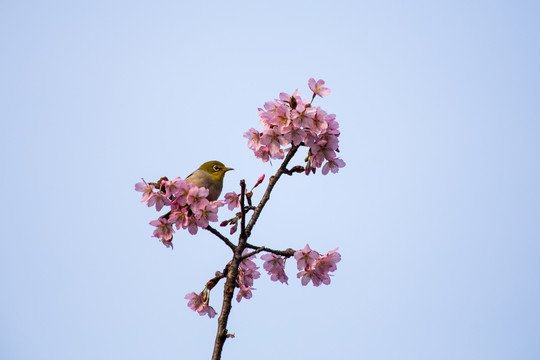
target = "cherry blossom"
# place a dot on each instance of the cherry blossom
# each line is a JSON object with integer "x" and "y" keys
{"x": 293, "y": 120}
{"x": 305, "y": 258}
{"x": 318, "y": 87}
{"x": 197, "y": 198}
{"x": 147, "y": 190}
{"x": 244, "y": 292}
{"x": 182, "y": 192}
{"x": 232, "y": 200}
{"x": 275, "y": 266}
{"x": 199, "y": 303}
{"x": 206, "y": 214}
{"x": 164, "y": 230}
{"x": 179, "y": 218}
{"x": 254, "y": 139}
{"x": 333, "y": 165}
{"x": 171, "y": 187}
{"x": 327, "y": 263}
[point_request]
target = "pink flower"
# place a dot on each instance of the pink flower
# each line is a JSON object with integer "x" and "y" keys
{"x": 298, "y": 97}
{"x": 279, "y": 155}
{"x": 254, "y": 139}
{"x": 332, "y": 140}
{"x": 159, "y": 199}
{"x": 164, "y": 230}
{"x": 322, "y": 150}
{"x": 317, "y": 160}
{"x": 171, "y": 187}
{"x": 287, "y": 99}
{"x": 249, "y": 275}
{"x": 311, "y": 137}
{"x": 275, "y": 266}
{"x": 232, "y": 200}
{"x": 271, "y": 107}
{"x": 295, "y": 136}
{"x": 333, "y": 165}
{"x": 192, "y": 225}
{"x": 305, "y": 258}
{"x": 248, "y": 270}
{"x": 303, "y": 116}
{"x": 315, "y": 277}
{"x": 273, "y": 139}
{"x": 182, "y": 193}
{"x": 179, "y": 218}
{"x": 319, "y": 120}
{"x": 282, "y": 118}
{"x": 199, "y": 303}
{"x": 318, "y": 271}
{"x": 263, "y": 154}
{"x": 318, "y": 87}
{"x": 333, "y": 125}
{"x": 147, "y": 190}
{"x": 244, "y": 292}
{"x": 268, "y": 115}
{"x": 197, "y": 198}
{"x": 206, "y": 214}
{"x": 327, "y": 263}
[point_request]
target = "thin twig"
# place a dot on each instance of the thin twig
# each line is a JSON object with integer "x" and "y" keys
{"x": 222, "y": 237}
{"x": 285, "y": 253}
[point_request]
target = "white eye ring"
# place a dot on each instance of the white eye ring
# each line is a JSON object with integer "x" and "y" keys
{"x": 216, "y": 168}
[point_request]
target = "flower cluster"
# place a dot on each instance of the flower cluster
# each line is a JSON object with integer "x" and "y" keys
{"x": 247, "y": 272}
{"x": 275, "y": 266}
{"x": 313, "y": 267}
{"x": 293, "y": 121}
{"x": 190, "y": 208}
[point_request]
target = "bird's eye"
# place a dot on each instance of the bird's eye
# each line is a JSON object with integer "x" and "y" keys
{"x": 216, "y": 168}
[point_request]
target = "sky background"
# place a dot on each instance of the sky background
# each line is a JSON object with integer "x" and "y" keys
{"x": 436, "y": 213}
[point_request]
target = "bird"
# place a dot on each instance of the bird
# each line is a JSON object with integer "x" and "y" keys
{"x": 209, "y": 175}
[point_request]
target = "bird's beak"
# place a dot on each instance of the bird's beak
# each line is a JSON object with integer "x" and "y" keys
{"x": 228, "y": 169}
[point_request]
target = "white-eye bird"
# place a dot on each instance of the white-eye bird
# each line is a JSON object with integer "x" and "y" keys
{"x": 209, "y": 175}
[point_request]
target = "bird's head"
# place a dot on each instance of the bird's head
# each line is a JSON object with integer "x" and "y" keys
{"x": 216, "y": 169}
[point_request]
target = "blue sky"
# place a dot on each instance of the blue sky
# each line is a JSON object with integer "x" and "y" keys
{"x": 436, "y": 214}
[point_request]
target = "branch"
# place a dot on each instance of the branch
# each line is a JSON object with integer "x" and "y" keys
{"x": 282, "y": 170}
{"x": 230, "y": 284}
{"x": 243, "y": 211}
{"x": 285, "y": 253}
{"x": 219, "y": 235}
{"x": 245, "y": 232}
